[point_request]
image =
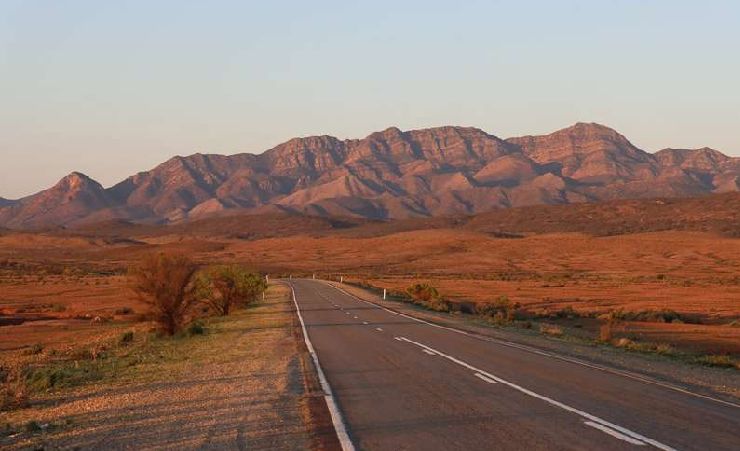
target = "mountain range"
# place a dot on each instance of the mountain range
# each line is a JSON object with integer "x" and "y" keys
{"x": 391, "y": 174}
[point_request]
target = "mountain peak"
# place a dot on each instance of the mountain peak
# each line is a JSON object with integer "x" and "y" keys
{"x": 586, "y": 129}
{"x": 76, "y": 181}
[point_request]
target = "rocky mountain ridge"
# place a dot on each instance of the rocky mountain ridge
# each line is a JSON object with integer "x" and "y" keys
{"x": 390, "y": 174}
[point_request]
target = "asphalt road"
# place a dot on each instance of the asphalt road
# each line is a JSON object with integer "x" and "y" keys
{"x": 404, "y": 384}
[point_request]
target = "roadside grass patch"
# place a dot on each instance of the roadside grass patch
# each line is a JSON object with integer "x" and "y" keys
{"x": 723, "y": 361}
{"x": 551, "y": 330}
{"x": 502, "y": 312}
{"x": 63, "y": 375}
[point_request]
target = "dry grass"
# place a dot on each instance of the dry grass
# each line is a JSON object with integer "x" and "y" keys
{"x": 159, "y": 385}
{"x": 694, "y": 274}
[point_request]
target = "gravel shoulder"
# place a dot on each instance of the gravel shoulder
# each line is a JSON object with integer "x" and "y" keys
{"x": 719, "y": 383}
{"x": 246, "y": 384}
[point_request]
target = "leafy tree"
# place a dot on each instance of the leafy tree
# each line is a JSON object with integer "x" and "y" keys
{"x": 166, "y": 283}
{"x": 225, "y": 286}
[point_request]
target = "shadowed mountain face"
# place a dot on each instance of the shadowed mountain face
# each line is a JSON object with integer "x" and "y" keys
{"x": 389, "y": 174}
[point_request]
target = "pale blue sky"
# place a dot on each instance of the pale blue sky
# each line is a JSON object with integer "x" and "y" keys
{"x": 113, "y": 87}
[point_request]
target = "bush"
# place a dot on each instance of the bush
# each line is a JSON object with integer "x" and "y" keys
{"x": 124, "y": 311}
{"x": 440, "y": 305}
{"x": 126, "y": 337}
{"x": 567, "y": 312}
{"x": 653, "y": 316}
{"x": 166, "y": 283}
{"x": 501, "y": 310}
{"x": 552, "y": 330}
{"x": 34, "y": 350}
{"x": 222, "y": 287}
{"x": 421, "y": 293}
{"x": 196, "y": 328}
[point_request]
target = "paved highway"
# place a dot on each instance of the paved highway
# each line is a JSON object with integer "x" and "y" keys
{"x": 403, "y": 384}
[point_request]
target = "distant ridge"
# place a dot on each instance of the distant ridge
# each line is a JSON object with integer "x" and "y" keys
{"x": 391, "y": 174}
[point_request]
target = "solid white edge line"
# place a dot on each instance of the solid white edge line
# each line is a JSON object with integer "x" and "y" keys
{"x": 614, "y": 433}
{"x": 623, "y": 373}
{"x": 428, "y": 352}
{"x": 336, "y": 416}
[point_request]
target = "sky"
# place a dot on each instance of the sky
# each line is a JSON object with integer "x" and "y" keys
{"x": 111, "y": 88}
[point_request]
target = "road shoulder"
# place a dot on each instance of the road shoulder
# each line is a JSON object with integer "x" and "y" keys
{"x": 247, "y": 383}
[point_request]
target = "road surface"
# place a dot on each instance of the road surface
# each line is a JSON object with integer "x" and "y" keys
{"x": 404, "y": 384}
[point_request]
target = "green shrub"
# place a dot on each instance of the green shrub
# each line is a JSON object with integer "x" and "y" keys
{"x": 225, "y": 286}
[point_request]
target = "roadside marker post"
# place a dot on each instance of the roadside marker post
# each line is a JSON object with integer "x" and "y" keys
{"x": 314, "y": 276}
{"x": 384, "y": 293}
{"x": 341, "y": 279}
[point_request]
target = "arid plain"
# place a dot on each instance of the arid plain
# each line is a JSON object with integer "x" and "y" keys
{"x": 674, "y": 285}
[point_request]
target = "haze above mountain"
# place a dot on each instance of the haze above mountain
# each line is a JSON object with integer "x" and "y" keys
{"x": 390, "y": 174}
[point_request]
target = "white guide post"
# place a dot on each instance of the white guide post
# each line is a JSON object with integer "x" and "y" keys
{"x": 341, "y": 279}
{"x": 384, "y": 293}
